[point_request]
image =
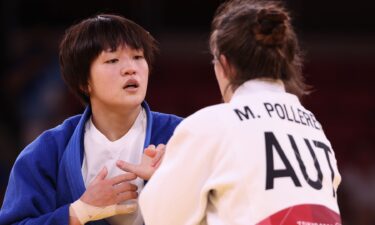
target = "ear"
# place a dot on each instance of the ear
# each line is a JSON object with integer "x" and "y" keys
{"x": 86, "y": 89}
{"x": 227, "y": 67}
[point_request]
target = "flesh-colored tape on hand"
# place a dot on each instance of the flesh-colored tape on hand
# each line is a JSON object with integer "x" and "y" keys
{"x": 85, "y": 212}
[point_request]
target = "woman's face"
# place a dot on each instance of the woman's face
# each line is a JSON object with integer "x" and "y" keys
{"x": 118, "y": 78}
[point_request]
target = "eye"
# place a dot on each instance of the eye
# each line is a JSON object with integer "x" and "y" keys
{"x": 111, "y": 61}
{"x": 138, "y": 57}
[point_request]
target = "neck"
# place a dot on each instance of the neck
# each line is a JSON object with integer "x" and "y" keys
{"x": 227, "y": 94}
{"x": 114, "y": 123}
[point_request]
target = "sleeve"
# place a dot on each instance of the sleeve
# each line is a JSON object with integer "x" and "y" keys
{"x": 177, "y": 192}
{"x": 31, "y": 196}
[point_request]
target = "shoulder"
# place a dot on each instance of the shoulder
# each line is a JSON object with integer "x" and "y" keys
{"x": 51, "y": 143}
{"x": 211, "y": 119}
{"x": 203, "y": 133}
{"x": 163, "y": 126}
{"x": 164, "y": 119}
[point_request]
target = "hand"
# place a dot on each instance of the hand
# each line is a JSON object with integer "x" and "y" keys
{"x": 104, "y": 192}
{"x": 151, "y": 160}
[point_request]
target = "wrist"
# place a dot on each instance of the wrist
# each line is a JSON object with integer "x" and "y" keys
{"x": 85, "y": 212}
{"x": 73, "y": 219}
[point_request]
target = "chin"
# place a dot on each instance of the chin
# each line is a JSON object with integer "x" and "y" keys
{"x": 130, "y": 101}
{"x": 134, "y": 102}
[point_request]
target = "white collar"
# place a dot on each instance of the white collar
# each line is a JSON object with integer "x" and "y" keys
{"x": 101, "y": 139}
{"x": 259, "y": 85}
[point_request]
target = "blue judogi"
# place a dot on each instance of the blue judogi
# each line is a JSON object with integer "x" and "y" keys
{"x": 46, "y": 177}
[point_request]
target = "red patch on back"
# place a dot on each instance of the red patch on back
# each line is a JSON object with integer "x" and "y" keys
{"x": 303, "y": 215}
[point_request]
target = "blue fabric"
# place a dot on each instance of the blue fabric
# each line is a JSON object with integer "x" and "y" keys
{"x": 46, "y": 177}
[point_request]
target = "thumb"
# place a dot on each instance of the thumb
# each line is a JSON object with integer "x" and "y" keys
{"x": 127, "y": 167}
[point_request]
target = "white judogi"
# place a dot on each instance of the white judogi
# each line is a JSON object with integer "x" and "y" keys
{"x": 242, "y": 162}
{"x": 100, "y": 152}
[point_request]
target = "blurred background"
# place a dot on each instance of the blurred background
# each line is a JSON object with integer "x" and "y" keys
{"x": 338, "y": 38}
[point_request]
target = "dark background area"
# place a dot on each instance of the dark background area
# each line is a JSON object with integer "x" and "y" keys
{"x": 338, "y": 38}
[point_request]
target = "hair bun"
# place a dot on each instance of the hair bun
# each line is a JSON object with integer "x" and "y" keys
{"x": 270, "y": 28}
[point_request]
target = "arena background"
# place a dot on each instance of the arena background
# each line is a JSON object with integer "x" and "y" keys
{"x": 338, "y": 38}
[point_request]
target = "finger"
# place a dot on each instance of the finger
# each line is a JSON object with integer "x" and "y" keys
{"x": 150, "y": 152}
{"x": 123, "y": 187}
{"x": 160, "y": 147}
{"x": 123, "y": 178}
{"x": 159, "y": 155}
{"x": 157, "y": 158}
{"x": 101, "y": 175}
{"x": 127, "y": 167}
{"x": 158, "y": 163}
{"x": 151, "y": 147}
{"x": 124, "y": 196}
{"x": 126, "y": 208}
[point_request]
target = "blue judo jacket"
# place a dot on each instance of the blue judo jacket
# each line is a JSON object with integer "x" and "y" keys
{"x": 46, "y": 177}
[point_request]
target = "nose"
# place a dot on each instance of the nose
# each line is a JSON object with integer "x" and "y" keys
{"x": 128, "y": 69}
{"x": 129, "y": 72}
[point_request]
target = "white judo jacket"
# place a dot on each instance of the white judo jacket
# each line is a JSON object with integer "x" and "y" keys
{"x": 260, "y": 159}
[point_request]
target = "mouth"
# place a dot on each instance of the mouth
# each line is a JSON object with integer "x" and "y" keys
{"x": 131, "y": 84}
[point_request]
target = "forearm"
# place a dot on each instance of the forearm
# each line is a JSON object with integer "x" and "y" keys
{"x": 25, "y": 216}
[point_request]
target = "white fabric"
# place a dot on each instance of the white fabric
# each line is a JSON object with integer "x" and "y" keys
{"x": 100, "y": 152}
{"x": 214, "y": 169}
